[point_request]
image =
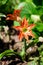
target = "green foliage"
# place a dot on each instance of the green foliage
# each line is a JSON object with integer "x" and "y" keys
{"x": 22, "y": 54}
{"x": 40, "y": 49}
{"x": 28, "y": 9}
{"x": 38, "y": 2}
{"x": 40, "y": 10}
{"x": 22, "y": 0}
{"x": 41, "y": 63}
{"x": 5, "y": 53}
{"x": 32, "y": 63}
{"x": 8, "y": 8}
{"x": 28, "y": 0}
{"x": 2, "y": 2}
{"x": 41, "y": 17}
{"x": 2, "y": 15}
{"x": 20, "y": 5}
{"x": 38, "y": 29}
{"x": 16, "y": 23}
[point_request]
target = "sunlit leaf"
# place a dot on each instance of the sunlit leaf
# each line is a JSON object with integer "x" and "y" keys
{"x": 16, "y": 23}
{"x": 2, "y": 2}
{"x": 28, "y": 9}
{"x": 32, "y": 63}
{"x": 2, "y": 15}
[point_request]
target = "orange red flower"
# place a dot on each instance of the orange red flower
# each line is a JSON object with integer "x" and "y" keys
{"x": 25, "y": 29}
{"x": 14, "y": 16}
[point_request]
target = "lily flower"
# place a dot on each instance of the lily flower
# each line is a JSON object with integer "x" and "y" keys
{"x": 14, "y": 16}
{"x": 25, "y": 29}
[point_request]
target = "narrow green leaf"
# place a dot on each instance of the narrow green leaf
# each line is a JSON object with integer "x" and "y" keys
{"x": 5, "y": 53}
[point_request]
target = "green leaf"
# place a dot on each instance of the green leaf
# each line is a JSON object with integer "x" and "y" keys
{"x": 41, "y": 53}
{"x": 8, "y": 8}
{"x": 2, "y": 15}
{"x": 40, "y": 10}
{"x": 28, "y": 9}
{"x": 16, "y": 23}
{"x": 20, "y": 5}
{"x": 22, "y": 53}
{"x": 36, "y": 33}
{"x": 5, "y": 53}
{"x": 2, "y": 2}
{"x": 41, "y": 17}
{"x": 39, "y": 27}
{"x": 32, "y": 63}
{"x": 38, "y": 30}
{"x": 22, "y": 0}
{"x": 41, "y": 63}
{"x": 28, "y": 0}
{"x": 42, "y": 59}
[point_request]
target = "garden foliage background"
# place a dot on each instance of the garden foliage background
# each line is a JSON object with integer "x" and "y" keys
{"x": 33, "y": 11}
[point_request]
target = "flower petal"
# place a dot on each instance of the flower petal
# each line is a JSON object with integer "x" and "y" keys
{"x": 26, "y": 36}
{"x": 24, "y": 23}
{"x": 30, "y": 26}
{"x": 30, "y": 34}
{"x": 16, "y": 12}
{"x": 14, "y": 15}
{"x": 17, "y": 27}
{"x": 10, "y": 17}
{"x": 20, "y": 36}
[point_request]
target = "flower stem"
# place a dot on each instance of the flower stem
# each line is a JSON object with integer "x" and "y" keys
{"x": 25, "y": 44}
{"x": 24, "y": 48}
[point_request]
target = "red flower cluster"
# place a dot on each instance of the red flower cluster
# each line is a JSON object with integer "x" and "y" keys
{"x": 14, "y": 16}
